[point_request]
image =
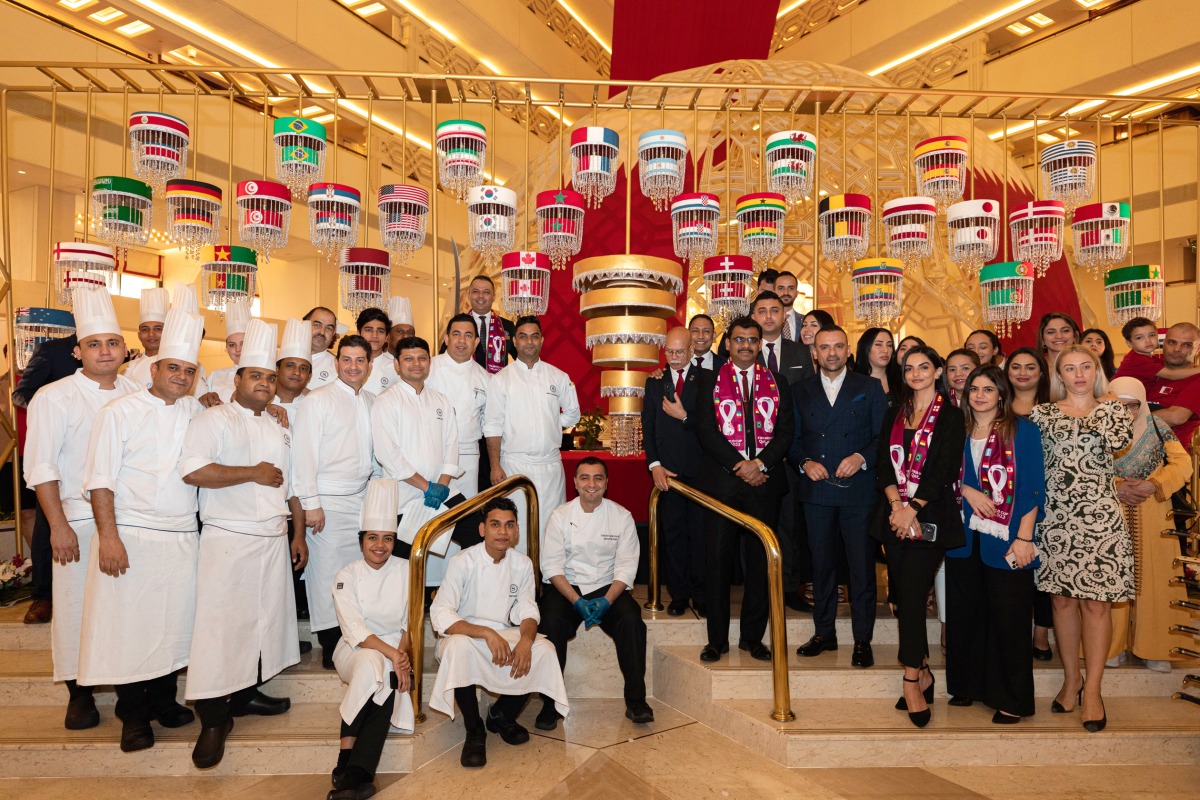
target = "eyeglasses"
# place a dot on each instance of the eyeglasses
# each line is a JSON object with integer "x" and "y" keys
{"x": 745, "y": 340}
{"x": 1134, "y": 406}
{"x": 838, "y": 482}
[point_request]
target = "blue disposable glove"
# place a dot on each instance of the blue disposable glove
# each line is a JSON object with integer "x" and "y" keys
{"x": 599, "y": 607}
{"x": 436, "y": 494}
{"x": 584, "y": 610}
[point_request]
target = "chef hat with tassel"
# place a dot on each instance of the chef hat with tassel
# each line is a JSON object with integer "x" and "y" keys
{"x": 381, "y": 506}
{"x": 94, "y": 313}
{"x": 183, "y": 297}
{"x": 153, "y": 305}
{"x": 297, "y": 340}
{"x": 181, "y": 336}
{"x": 400, "y": 311}
{"x": 258, "y": 348}
{"x": 237, "y": 315}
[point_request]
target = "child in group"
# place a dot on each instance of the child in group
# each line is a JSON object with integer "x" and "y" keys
{"x": 1141, "y": 334}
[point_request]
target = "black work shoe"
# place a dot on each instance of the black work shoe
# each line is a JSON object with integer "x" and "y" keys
{"x": 712, "y": 652}
{"x": 796, "y": 602}
{"x": 511, "y": 732}
{"x": 263, "y": 705}
{"x": 816, "y": 645}
{"x": 364, "y": 791}
{"x": 757, "y": 650}
{"x": 474, "y": 752}
{"x": 863, "y": 655}
{"x": 175, "y": 716}
{"x": 210, "y": 745}
{"x": 677, "y": 608}
{"x": 327, "y": 658}
{"x": 136, "y": 736}
{"x": 547, "y": 718}
{"x": 639, "y": 712}
{"x": 81, "y": 713}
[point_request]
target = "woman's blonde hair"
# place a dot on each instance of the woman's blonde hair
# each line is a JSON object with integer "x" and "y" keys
{"x": 1058, "y": 389}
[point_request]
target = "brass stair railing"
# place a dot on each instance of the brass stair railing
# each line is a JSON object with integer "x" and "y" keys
{"x": 420, "y": 551}
{"x": 782, "y": 712}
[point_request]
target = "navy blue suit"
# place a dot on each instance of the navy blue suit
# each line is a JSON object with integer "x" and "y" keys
{"x": 828, "y": 434}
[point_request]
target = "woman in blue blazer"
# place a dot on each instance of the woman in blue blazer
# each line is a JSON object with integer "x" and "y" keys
{"x": 989, "y": 580}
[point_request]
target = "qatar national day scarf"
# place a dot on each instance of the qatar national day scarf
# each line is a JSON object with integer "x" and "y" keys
{"x": 727, "y": 400}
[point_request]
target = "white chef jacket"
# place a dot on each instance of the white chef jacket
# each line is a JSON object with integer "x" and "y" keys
{"x": 290, "y": 408}
{"x": 221, "y": 382}
{"x": 331, "y": 444}
{"x": 372, "y": 601}
{"x": 466, "y": 385}
{"x": 61, "y": 416}
{"x": 324, "y": 369}
{"x": 138, "y": 371}
{"x": 134, "y": 452}
{"x": 590, "y": 550}
{"x": 528, "y": 408}
{"x": 480, "y": 591}
{"x": 415, "y": 434}
{"x": 230, "y": 435}
{"x": 383, "y": 374}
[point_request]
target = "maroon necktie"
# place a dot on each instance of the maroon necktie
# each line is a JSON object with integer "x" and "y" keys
{"x": 772, "y": 362}
{"x": 679, "y": 384}
{"x": 748, "y": 413}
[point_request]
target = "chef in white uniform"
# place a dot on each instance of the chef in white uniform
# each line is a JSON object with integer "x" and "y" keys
{"x": 332, "y": 462}
{"x": 400, "y": 314}
{"x": 293, "y": 369}
{"x": 324, "y": 332}
{"x": 372, "y": 658}
{"x": 139, "y": 601}
{"x": 245, "y": 630}
{"x": 487, "y": 614}
{"x": 220, "y": 382}
{"x": 60, "y": 424}
{"x": 590, "y": 559}
{"x": 529, "y": 404}
{"x": 152, "y": 312}
{"x": 456, "y": 374}
{"x": 373, "y": 325}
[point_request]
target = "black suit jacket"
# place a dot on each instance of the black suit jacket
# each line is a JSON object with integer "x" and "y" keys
{"x": 509, "y": 330}
{"x": 720, "y": 455}
{"x": 791, "y": 360}
{"x": 671, "y": 442}
{"x": 51, "y": 361}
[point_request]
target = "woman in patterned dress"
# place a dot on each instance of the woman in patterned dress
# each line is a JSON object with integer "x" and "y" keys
{"x": 1086, "y": 552}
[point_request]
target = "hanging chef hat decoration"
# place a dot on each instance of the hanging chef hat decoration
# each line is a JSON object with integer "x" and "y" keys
{"x": 941, "y": 168}
{"x": 973, "y": 230}
{"x": 122, "y": 208}
{"x": 1069, "y": 171}
{"x": 594, "y": 153}
{"x": 560, "y": 225}
{"x": 32, "y": 326}
{"x": 1134, "y": 292}
{"x": 790, "y": 159}
{"x": 403, "y": 212}
{"x": 159, "y": 144}
{"x": 661, "y": 158}
{"x": 525, "y": 283}
{"x": 760, "y": 225}
{"x": 264, "y": 215}
{"x": 365, "y": 278}
{"x": 727, "y": 287}
{"x": 299, "y": 153}
{"x": 844, "y": 221}
{"x": 908, "y": 223}
{"x": 461, "y": 147}
{"x": 1037, "y": 233}
{"x": 81, "y": 264}
{"x": 193, "y": 215}
{"x": 333, "y": 210}
{"x": 228, "y": 273}
{"x": 878, "y": 291}
{"x": 492, "y": 215}
{"x": 1006, "y": 289}
{"x": 1101, "y": 233}
{"x": 694, "y": 220}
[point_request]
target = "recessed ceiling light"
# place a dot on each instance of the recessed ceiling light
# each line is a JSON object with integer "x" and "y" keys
{"x": 1019, "y": 29}
{"x": 309, "y": 110}
{"x": 1088, "y": 3}
{"x": 107, "y": 15}
{"x": 135, "y": 28}
{"x": 371, "y": 10}
{"x": 1039, "y": 19}
{"x": 352, "y": 3}
{"x": 20, "y": 172}
{"x": 323, "y": 119}
{"x": 1046, "y": 138}
{"x": 75, "y": 5}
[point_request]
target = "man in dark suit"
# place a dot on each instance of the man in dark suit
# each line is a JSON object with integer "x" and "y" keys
{"x": 703, "y": 330}
{"x": 776, "y": 353}
{"x": 787, "y": 287}
{"x": 491, "y": 353}
{"x": 672, "y": 450}
{"x": 745, "y": 423}
{"x": 839, "y": 414}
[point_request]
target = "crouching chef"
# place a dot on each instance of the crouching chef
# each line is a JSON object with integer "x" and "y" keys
{"x": 488, "y": 614}
{"x": 245, "y": 630}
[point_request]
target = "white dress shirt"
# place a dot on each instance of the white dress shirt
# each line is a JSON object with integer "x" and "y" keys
{"x": 221, "y": 382}
{"x": 230, "y": 435}
{"x": 706, "y": 360}
{"x": 466, "y": 385}
{"x": 777, "y": 346}
{"x": 372, "y": 601}
{"x": 331, "y": 444}
{"x": 60, "y": 424}
{"x": 415, "y": 434}
{"x": 138, "y": 371}
{"x": 482, "y": 332}
{"x": 528, "y": 408}
{"x": 134, "y": 452}
{"x": 324, "y": 369}
{"x": 479, "y": 591}
{"x": 833, "y": 386}
{"x": 797, "y": 318}
{"x": 383, "y": 374}
{"x": 590, "y": 550}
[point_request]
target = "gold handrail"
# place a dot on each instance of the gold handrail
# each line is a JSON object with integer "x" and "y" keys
{"x": 779, "y": 671}
{"x": 420, "y": 551}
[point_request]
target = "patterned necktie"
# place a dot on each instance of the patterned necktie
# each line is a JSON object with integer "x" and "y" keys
{"x": 772, "y": 362}
{"x": 787, "y": 327}
{"x": 483, "y": 333}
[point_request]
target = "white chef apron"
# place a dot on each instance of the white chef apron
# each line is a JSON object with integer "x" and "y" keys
{"x": 139, "y": 626}
{"x": 245, "y": 610}
{"x": 368, "y": 676}
{"x": 467, "y": 485}
{"x": 464, "y": 661}
{"x": 548, "y": 479}
{"x": 328, "y": 551}
{"x": 67, "y": 591}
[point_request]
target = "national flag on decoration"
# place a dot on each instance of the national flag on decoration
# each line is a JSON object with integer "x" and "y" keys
{"x": 848, "y": 227}
{"x": 370, "y": 284}
{"x": 906, "y": 233}
{"x": 160, "y": 152}
{"x": 595, "y": 163}
{"x": 228, "y": 282}
{"x": 1101, "y": 237}
{"x": 263, "y": 217}
{"x": 726, "y": 289}
{"x": 339, "y": 220}
{"x": 198, "y": 219}
{"x": 1031, "y": 236}
{"x": 976, "y": 234}
{"x": 525, "y": 287}
{"x": 402, "y": 222}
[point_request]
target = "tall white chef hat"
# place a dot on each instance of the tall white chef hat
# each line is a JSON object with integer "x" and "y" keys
{"x": 153, "y": 305}
{"x": 380, "y": 506}
{"x": 297, "y": 340}
{"x": 237, "y": 314}
{"x": 183, "y": 297}
{"x": 181, "y": 336}
{"x": 94, "y": 313}
{"x": 258, "y": 348}
{"x": 399, "y": 311}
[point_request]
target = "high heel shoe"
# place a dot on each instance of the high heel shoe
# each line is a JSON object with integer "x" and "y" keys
{"x": 1096, "y": 725}
{"x": 902, "y": 704}
{"x": 1057, "y": 707}
{"x": 918, "y": 718}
